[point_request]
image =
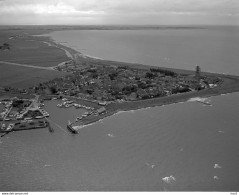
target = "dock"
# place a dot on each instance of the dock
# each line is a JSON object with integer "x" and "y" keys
{"x": 70, "y": 127}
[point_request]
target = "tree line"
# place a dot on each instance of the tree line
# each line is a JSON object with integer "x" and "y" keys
{"x": 5, "y": 46}
{"x": 162, "y": 71}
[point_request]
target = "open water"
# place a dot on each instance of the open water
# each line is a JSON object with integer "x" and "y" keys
{"x": 186, "y": 146}
{"x": 214, "y": 49}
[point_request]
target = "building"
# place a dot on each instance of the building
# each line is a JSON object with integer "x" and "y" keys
{"x": 101, "y": 110}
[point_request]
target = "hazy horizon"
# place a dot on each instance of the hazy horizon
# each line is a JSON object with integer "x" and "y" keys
{"x": 115, "y": 12}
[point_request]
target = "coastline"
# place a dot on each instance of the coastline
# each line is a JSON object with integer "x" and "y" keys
{"x": 230, "y": 84}
{"x": 134, "y": 106}
{"x": 70, "y": 52}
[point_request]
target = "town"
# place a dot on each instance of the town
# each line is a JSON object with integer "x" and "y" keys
{"x": 94, "y": 87}
{"x": 122, "y": 83}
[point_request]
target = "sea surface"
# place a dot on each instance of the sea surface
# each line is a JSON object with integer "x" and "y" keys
{"x": 179, "y": 147}
{"x": 214, "y": 49}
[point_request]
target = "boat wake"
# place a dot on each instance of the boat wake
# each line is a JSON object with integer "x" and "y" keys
{"x": 169, "y": 179}
{"x": 204, "y": 101}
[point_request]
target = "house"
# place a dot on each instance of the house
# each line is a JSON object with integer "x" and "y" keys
{"x": 190, "y": 80}
{"x": 101, "y": 110}
{"x": 102, "y": 103}
{"x": 132, "y": 97}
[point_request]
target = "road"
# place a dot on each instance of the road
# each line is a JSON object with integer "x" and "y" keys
{"x": 27, "y": 65}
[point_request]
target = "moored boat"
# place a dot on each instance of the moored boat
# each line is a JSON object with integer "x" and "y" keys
{"x": 10, "y": 127}
{"x": 39, "y": 117}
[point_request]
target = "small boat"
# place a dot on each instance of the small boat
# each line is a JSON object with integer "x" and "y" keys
{"x": 39, "y": 117}
{"x": 10, "y": 127}
{"x": 71, "y": 128}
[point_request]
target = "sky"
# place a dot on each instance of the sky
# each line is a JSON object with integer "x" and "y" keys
{"x": 119, "y": 12}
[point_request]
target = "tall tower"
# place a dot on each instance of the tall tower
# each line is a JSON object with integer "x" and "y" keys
{"x": 198, "y": 76}
{"x": 198, "y": 72}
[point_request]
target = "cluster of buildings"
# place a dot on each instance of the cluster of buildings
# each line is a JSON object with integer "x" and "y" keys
{"x": 112, "y": 83}
{"x": 18, "y": 109}
{"x": 99, "y": 85}
{"x": 21, "y": 114}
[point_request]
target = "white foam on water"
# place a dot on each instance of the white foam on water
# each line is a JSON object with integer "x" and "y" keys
{"x": 215, "y": 177}
{"x": 150, "y": 165}
{"x": 120, "y": 112}
{"x": 83, "y": 126}
{"x": 110, "y": 135}
{"x": 169, "y": 179}
{"x": 194, "y": 99}
{"x": 217, "y": 166}
{"x": 131, "y": 111}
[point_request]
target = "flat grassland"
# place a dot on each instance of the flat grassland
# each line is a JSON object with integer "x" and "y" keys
{"x": 30, "y": 50}
{"x": 25, "y": 49}
{"x": 22, "y": 77}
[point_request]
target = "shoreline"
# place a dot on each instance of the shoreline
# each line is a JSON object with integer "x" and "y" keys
{"x": 116, "y": 112}
{"x": 72, "y": 52}
{"x": 157, "y": 102}
{"x": 230, "y": 82}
